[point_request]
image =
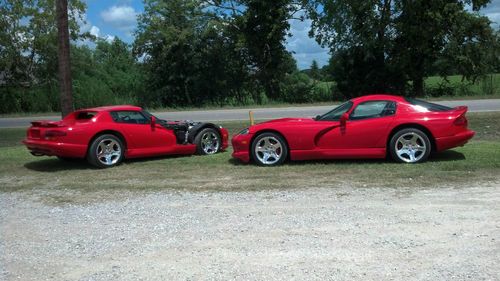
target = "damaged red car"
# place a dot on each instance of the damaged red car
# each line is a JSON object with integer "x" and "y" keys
{"x": 107, "y": 135}
{"x": 374, "y": 126}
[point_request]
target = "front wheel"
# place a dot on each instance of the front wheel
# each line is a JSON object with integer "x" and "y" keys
{"x": 410, "y": 146}
{"x": 269, "y": 149}
{"x": 106, "y": 151}
{"x": 208, "y": 141}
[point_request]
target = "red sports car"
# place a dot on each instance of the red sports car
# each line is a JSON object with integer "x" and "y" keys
{"x": 372, "y": 126}
{"x": 107, "y": 135}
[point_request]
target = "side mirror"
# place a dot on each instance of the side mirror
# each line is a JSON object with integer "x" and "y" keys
{"x": 343, "y": 119}
{"x": 317, "y": 117}
{"x": 153, "y": 122}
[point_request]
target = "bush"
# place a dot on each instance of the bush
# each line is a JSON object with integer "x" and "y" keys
{"x": 297, "y": 88}
{"x": 442, "y": 89}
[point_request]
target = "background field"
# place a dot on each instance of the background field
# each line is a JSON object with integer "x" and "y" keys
{"x": 478, "y": 161}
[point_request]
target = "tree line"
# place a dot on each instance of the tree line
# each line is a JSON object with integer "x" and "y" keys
{"x": 232, "y": 52}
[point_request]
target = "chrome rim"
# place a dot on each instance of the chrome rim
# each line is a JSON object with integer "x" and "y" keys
{"x": 108, "y": 152}
{"x": 410, "y": 147}
{"x": 268, "y": 150}
{"x": 210, "y": 142}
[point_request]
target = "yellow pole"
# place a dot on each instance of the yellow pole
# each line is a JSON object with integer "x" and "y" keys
{"x": 250, "y": 114}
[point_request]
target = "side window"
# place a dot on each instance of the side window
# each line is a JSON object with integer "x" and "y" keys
{"x": 335, "y": 114}
{"x": 373, "y": 109}
{"x": 129, "y": 117}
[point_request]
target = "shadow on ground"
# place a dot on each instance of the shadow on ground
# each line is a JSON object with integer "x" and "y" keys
{"x": 444, "y": 156}
{"x": 56, "y": 165}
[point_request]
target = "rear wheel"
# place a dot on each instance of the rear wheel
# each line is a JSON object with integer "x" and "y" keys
{"x": 208, "y": 141}
{"x": 410, "y": 146}
{"x": 269, "y": 149}
{"x": 106, "y": 151}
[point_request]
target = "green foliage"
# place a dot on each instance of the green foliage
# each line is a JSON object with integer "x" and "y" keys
{"x": 28, "y": 53}
{"x": 457, "y": 85}
{"x": 392, "y": 45}
{"x": 297, "y": 88}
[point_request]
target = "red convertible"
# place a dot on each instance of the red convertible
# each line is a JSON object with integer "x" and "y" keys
{"x": 107, "y": 135}
{"x": 374, "y": 126}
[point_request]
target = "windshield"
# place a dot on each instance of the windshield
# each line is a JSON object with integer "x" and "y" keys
{"x": 148, "y": 114}
{"x": 336, "y": 113}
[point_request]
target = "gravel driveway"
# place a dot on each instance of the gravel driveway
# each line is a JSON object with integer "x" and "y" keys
{"x": 342, "y": 233}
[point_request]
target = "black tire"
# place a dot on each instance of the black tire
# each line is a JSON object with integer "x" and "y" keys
{"x": 208, "y": 141}
{"x": 416, "y": 142}
{"x": 269, "y": 142}
{"x": 113, "y": 143}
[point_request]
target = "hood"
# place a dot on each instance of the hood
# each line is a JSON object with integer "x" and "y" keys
{"x": 290, "y": 120}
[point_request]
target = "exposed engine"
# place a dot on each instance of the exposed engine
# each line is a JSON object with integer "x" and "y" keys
{"x": 181, "y": 129}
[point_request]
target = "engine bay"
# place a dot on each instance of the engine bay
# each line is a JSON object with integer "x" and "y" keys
{"x": 181, "y": 129}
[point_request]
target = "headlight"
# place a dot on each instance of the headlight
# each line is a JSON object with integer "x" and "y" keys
{"x": 243, "y": 132}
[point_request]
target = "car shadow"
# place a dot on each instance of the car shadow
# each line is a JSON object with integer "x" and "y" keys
{"x": 56, "y": 165}
{"x": 444, "y": 156}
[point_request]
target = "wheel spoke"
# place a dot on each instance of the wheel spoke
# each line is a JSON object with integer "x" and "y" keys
{"x": 266, "y": 157}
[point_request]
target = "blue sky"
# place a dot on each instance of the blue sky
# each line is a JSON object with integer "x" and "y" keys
{"x": 117, "y": 18}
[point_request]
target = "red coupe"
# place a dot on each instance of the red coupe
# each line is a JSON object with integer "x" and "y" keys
{"x": 372, "y": 126}
{"x": 107, "y": 135}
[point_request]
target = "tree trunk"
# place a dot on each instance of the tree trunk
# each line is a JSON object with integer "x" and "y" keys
{"x": 418, "y": 86}
{"x": 63, "y": 56}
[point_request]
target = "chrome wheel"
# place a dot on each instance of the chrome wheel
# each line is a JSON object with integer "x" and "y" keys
{"x": 268, "y": 150}
{"x": 410, "y": 147}
{"x": 210, "y": 142}
{"x": 108, "y": 152}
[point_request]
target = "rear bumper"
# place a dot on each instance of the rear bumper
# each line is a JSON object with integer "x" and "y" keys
{"x": 241, "y": 147}
{"x": 56, "y": 148}
{"x": 454, "y": 141}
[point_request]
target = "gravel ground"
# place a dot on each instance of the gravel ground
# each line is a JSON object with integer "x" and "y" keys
{"x": 342, "y": 233}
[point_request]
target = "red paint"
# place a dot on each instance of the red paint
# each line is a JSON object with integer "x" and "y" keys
{"x": 71, "y": 136}
{"x": 365, "y": 138}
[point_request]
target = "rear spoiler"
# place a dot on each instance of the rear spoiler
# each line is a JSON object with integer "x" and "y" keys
{"x": 461, "y": 109}
{"x": 46, "y": 123}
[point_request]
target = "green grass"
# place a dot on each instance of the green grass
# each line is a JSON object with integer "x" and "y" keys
{"x": 476, "y": 163}
{"x": 487, "y": 87}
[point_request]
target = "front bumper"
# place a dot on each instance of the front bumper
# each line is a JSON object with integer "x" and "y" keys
{"x": 51, "y": 148}
{"x": 241, "y": 147}
{"x": 459, "y": 139}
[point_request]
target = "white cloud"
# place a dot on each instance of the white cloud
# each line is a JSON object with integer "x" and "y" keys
{"x": 86, "y": 26}
{"x": 94, "y": 30}
{"x": 122, "y": 17}
{"x": 304, "y": 48}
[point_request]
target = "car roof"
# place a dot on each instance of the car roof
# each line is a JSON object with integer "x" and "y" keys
{"x": 378, "y": 97}
{"x": 113, "y": 108}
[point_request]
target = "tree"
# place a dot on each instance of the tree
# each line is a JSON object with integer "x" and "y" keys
{"x": 315, "y": 72}
{"x": 400, "y": 38}
{"x": 63, "y": 58}
{"x": 28, "y": 52}
{"x": 265, "y": 29}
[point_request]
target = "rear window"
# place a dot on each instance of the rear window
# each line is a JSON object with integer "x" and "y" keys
{"x": 428, "y": 105}
{"x": 85, "y": 115}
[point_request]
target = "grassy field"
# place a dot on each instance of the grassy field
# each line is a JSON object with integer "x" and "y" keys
{"x": 478, "y": 161}
{"x": 486, "y": 87}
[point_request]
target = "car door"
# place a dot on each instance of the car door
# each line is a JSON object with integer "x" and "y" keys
{"x": 141, "y": 135}
{"x": 368, "y": 123}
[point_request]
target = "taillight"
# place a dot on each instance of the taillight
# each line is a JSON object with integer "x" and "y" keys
{"x": 50, "y": 134}
{"x": 461, "y": 121}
